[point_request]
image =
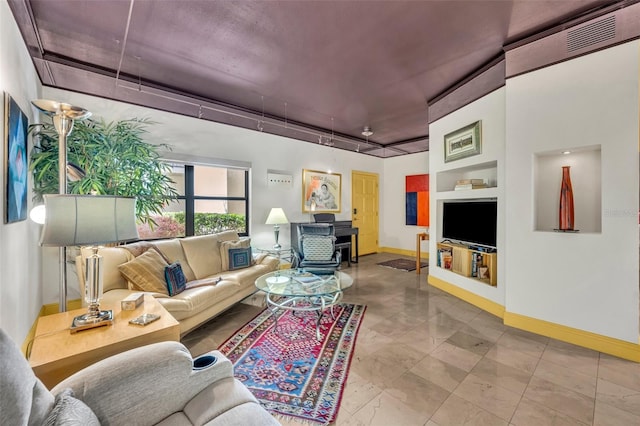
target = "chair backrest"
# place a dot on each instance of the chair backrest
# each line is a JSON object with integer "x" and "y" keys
{"x": 324, "y": 217}
{"x": 316, "y": 241}
{"x": 24, "y": 399}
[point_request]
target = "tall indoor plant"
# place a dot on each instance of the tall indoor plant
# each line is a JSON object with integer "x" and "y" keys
{"x": 116, "y": 161}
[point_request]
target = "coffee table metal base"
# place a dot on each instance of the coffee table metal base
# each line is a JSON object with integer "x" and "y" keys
{"x": 317, "y": 304}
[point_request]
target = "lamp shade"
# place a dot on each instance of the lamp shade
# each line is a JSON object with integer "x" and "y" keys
{"x": 276, "y": 216}
{"x": 88, "y": 219}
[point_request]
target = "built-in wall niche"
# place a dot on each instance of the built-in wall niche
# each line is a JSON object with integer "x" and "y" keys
{"x": 488, "y": 172}
{"x": 586, "y": 179}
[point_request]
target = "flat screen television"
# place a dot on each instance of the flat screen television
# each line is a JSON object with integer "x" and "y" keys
{"x": 471, "y": 222}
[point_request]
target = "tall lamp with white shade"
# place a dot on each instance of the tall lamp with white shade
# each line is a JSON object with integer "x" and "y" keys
{"x": 75, "y": 220}
{"x": 276, "y": 218}
{"x": 63, "y": 116}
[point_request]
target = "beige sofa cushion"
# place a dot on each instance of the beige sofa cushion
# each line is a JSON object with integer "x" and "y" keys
{"x": 194, "y": 300}
{"x": 146, "y": 272}
{"x": 172, "y": 251}
{"x": 203, "y": 253}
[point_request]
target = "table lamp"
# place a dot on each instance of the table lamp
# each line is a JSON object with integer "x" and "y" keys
{"x": 275, "y": 218}
{"x": 73, "y": 220}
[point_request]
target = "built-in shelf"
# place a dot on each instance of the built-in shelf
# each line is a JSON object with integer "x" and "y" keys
{"x": 475, "y": 264}
{"x": 470, "y": 193}
{"x": 488, "y": 172}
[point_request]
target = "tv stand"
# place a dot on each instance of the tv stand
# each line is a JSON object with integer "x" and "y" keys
{"x": 469, "y": 261}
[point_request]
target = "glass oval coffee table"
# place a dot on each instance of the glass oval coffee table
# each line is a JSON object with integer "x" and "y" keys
{"x": 299, "y": 291}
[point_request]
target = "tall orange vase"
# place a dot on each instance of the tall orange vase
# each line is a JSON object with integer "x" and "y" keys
{"x": 566, "y": 213}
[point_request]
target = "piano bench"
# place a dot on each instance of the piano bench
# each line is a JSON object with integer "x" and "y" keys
{"x": 347, "y": 246}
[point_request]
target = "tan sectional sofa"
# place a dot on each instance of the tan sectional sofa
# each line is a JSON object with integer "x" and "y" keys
{"x": 211, "y": 286}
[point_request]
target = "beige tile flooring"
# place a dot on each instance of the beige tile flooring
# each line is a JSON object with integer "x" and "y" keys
{"x": 424, "y": 357}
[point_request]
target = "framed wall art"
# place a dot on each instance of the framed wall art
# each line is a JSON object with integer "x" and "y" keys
{"x": 417, "y": 200}
{"x": 464, "y": 142}
{"x": 321, "y": 192}
{"x": 16, "y": 161}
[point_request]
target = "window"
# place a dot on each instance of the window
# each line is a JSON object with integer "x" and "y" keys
{"x": 211, "y": 199}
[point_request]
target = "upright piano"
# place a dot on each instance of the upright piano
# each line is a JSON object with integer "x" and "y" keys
{"x": 343, "y": 230}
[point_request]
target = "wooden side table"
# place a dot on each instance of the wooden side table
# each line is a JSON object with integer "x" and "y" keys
{"x": 56, "y": 353}
{"x": 420, "y": 237}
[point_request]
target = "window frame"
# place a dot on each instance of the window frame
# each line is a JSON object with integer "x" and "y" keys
{"x": 190, "y": 197}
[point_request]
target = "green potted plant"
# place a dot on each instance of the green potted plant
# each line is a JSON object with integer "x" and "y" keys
{"x": 116, "y": 161}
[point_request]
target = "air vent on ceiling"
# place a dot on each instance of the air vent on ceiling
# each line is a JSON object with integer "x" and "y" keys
{"x": 591, "y": 34}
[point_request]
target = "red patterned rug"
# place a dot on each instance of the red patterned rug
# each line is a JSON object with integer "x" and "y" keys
{"x": 289, "y": 371}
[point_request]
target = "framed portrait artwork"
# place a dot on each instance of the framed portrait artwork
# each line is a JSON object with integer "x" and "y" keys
{"x": 321, "y": 192}
{"x": 16, "y": 161}
{"x": 464, "y": 142}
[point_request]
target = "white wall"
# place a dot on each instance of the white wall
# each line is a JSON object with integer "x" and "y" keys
{"x": 20, "y": 291}
{"x": 393, "y": 231}
{"x": 588, "y": 281}
{"x": 490, "y": 109}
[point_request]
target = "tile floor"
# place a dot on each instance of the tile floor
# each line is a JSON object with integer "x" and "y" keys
{"x": 424, "y": 357}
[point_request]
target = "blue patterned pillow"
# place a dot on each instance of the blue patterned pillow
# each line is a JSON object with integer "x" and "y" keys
{"x": 176, "y": 281}
{"x": 239, "y": 258}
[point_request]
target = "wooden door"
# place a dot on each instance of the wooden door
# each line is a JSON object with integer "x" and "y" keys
{"x": 364, "y": 201}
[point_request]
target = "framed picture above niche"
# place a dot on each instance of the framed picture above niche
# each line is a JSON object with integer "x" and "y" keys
{"x": 463, "y": 142}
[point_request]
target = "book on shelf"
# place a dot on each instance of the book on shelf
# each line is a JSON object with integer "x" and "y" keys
{"x": 465, "y": 186}
{"x": 470, "y": 182}
{"x": 445, "y": 257}
{"x": 476, "y": 262}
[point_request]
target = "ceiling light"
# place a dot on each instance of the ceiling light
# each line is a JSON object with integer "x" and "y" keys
{"x": 566, "y": 152}
{"x": 367, "y": 131}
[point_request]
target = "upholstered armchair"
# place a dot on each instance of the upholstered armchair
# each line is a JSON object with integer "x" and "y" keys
{"x": 155, "y": 384}
{"x": 316, "y": 248}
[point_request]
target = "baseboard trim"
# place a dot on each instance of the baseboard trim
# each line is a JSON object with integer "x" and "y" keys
{"x": 479, "y": 301}
{"x": 586, "y": 339}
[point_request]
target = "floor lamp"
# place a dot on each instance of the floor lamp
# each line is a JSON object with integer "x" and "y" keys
{"x": 77, "y": 220}
{"x": 63, "y": 116}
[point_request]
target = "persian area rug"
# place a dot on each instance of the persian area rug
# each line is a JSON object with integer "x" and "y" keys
{"x": 403, "y": 264}
{"x": 288, "y": 370}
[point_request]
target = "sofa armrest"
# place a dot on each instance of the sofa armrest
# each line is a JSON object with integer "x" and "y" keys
{"x": 150, "y": 383}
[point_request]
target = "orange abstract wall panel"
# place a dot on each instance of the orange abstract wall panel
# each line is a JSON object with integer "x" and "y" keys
{"x": 417, "y": 200}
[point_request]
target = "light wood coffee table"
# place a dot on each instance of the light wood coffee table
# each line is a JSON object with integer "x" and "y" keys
{"x": 56, "y": 353}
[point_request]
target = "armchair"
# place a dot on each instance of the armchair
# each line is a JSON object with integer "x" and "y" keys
{"x": 316, "y": 248}
{"x": 155, "y": 384}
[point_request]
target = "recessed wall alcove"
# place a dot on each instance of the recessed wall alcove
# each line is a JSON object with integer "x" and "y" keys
{"x": 586, "y": 180}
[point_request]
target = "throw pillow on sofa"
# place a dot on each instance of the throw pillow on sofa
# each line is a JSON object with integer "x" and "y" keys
{"x": 176, "y": 281}
{"x": 225, "y": 246}
{"x": 146, "y": 272}
{"x": 239, "y": 258}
